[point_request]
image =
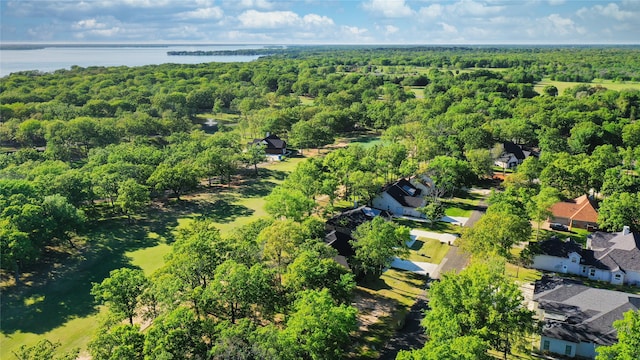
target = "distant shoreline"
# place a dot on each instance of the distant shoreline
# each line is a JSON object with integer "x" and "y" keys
{"x": 102, "y": 45}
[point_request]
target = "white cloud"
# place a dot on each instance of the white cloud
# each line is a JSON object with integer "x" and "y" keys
{"x": 354, "y": 30}
{"x": 556, "y": 2}
{"x": 557, "y": 25}
{"x": 204, "y": 13}
{"x": 431, "y": 11}
{"x": 474, "y": 8}
{"x": 281, "y": 19}
{"x": 389, "y": 8}
{"x": 613, "y": 11}
{"x": 88, "y": 24}
{"x": 269, "y": 20}
{"x": 448, "y": 28}
{"x": 249, "y": 4}
{"x": 316, "y": 20}
{"x": 390, "y": 29}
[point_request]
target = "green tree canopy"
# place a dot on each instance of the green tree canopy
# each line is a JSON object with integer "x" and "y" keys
{"x": 376, "y": 243}
{"x": 121, "y": 291}
{"x": 479, "y": 301}
{"x": 628, "y": 345}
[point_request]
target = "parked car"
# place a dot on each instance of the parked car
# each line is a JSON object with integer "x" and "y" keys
{"x": 558, "y": 227}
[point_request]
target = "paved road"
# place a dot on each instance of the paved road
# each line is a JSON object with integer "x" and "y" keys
{"x": 411, "y": 336}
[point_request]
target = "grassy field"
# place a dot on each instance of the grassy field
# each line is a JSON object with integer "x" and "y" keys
{"x": 563, "y": 85}
{"x": 56, "y": 304}
{"x": 428, "y": 250}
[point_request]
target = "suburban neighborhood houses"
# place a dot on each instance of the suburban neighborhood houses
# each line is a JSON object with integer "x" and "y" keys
{"x": 609, "y": 257}
{"x": 356, "y": 202}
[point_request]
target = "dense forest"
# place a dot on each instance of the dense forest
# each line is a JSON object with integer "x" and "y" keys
{"x": 88, "y": 144}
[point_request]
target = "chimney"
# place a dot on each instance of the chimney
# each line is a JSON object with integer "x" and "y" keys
{"x": 268, "y": 133}
{"x": 626, "y": 230}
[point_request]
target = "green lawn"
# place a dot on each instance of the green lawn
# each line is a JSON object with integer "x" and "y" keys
{"x": 463, "y": 205}
{"x": 428, "y": 250}
{"x": 60, "y": 306}
{"x": 563, "y": 85}
{"x": 439, "y": 226}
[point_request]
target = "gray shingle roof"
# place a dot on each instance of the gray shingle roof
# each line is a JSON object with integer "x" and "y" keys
{"x": 578, "y": 313}
{"x": 617, "y": 249}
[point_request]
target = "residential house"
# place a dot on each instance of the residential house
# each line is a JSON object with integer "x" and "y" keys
{"x": 610, "y": 257}
{"x": 401, "y": 198}
{"x": 274, "y": 147}
{"x": 422, "y": 183}
{"x": 340, "y": 227}
{"x": 580, "y": 212}
{"x": 512, "y": 155}
{"x": 577, "y": 318}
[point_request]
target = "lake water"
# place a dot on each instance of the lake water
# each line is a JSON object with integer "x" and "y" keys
{"x": 58, "y": 57}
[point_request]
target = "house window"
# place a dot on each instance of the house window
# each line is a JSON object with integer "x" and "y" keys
{"x": 618, "y": 276}
{"x": 574, "y": 260}
{"x": 567, "y": 350}
{"x": 545, "y": 345}
{"x": 592, "y": 272}
{"x": 584, "y": 269}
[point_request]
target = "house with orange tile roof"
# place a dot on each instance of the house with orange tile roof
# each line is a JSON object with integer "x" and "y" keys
{"x": 580, "y": 212}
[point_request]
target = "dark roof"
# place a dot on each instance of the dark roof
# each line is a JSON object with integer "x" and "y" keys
{"x": 271, "y": 141}
{"x": 556, "y": 247}
{"x": 616, "y": 250}
{"x": 608, "y": 251}
{"x": 349, "y": 220}
{"x": 405, "y": 193}
{"x": 516, "y": 150}
{"x": 578, "y": 313}
{"x": 340, "y": 241}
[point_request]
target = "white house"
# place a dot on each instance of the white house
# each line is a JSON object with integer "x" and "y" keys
{"x": 422, "y": 183}
{"x": 610, "y": 257}
{"x": 400, "y": 199}
{"x": 577, "y": 318}
{"x": 511, "y": 156}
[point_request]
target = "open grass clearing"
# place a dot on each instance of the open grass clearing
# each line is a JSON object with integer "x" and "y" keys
{"x": 418, "y": 91}
{"x": 563, "y": 85}
{"x": 57, "y": 304}
{"x": 428, "y": 250}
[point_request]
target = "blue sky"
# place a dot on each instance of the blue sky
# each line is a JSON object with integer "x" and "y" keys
{"x": 322, "y": 21}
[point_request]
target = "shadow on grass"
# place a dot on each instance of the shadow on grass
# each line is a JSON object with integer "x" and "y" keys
{"x": 375, "y": 284}
{"x": 417, "y": 245}
{"x": 62, "y": 292}
{"x": 268, "y": 174}
{"x": 252, "y": 189}
{"x": 221, "y": 209}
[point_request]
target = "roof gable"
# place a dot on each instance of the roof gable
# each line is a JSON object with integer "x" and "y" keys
{"x": 616, "y": 250}
{"x": 405, "y": 193}
{"x": 271, "y": 141}
{"x": 514, "y": 149}
{"x": 579, "y": 209}
{"x": 556, "y": 247}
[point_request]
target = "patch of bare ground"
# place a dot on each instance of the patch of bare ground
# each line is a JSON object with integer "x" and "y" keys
{"x": 371, "y": 309}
